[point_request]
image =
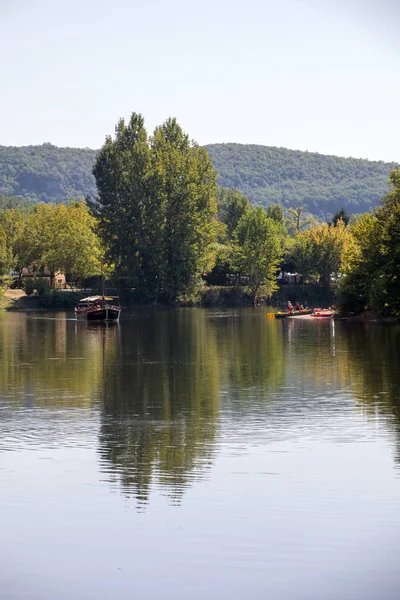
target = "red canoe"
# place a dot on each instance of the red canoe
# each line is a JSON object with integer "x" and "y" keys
{"x": 323, "y": 312}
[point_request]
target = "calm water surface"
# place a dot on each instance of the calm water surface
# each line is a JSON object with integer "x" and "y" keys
{"x": 192, "y": 454}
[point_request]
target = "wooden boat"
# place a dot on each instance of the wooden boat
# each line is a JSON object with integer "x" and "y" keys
{"x": 295, "y": 313}
{"x": 98, "y": 308}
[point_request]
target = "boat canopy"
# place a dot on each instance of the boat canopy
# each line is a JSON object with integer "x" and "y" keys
{"x": 94, "y": 298}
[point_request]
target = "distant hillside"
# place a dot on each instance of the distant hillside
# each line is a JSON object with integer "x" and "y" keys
{"x": 268, "y": 175}
{"x": 265, "y": 174}
{"x": 46, "y": 173}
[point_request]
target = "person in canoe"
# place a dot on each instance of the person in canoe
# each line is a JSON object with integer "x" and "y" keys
{"x": 290, "y": 306}
{"x": 297, "y": 307}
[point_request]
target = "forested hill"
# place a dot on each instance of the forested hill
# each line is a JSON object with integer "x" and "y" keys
{"x": 268, "y": 175}
{"x": 265, "y": 174}
{"x": 46, "y": 173}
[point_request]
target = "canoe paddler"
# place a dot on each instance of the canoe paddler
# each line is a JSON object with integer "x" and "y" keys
{"x": 290, "y": 306}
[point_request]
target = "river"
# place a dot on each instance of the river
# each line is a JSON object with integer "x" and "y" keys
{"x": 199, "y": 454}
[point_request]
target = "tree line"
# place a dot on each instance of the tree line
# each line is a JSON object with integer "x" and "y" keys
{"x": 166, "y": 230}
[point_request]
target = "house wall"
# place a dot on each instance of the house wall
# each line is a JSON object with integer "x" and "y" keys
{"x": 58, "y": 281}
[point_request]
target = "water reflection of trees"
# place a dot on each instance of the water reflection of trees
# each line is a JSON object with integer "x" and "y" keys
{"x": 373, "y": 363}
{"x": 161, "y": 402}
{"x": 252, "y": 360}
{"x": 159, "y": 381}
{"x": 48, "y": 361}
{"x": 162, "y": 395}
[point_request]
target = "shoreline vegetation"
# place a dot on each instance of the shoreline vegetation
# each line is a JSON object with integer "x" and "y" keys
{"x": 18, "y": 301}
{"x": 167, "y": 235}
{"x": 207, "y": 296}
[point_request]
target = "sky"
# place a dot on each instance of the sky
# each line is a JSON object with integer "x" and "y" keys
{"x": 316, "y": 75}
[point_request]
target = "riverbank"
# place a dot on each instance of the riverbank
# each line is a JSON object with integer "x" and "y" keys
{"x": 11, "y": 298}
{"x": 368, "y": 316}
{"x": 208, "y": 296}
{"x": 211, "y": 296}
{"x": 17, "y": 300}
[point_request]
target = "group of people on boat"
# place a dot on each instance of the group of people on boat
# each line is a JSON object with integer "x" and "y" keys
{"x": 296, "y": 307}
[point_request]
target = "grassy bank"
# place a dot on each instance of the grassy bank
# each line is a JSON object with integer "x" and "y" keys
{"x": 9, "y": 298}
{"x": 55, "y": 300}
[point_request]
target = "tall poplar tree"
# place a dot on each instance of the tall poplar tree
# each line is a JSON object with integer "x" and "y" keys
{"x": 156, "y": 207}
{"x": 186, "y": 192}
{"x": 122, "y": 171}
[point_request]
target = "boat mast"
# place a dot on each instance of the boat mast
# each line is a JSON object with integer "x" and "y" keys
{"x": 102, "y": 284}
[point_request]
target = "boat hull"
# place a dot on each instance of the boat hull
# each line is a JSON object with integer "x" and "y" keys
{"x": 103, "y": 314}
{"x": 296, "y": 313}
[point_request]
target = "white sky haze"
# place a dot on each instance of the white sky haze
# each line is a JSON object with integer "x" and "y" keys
{"x": 305, "y": 74}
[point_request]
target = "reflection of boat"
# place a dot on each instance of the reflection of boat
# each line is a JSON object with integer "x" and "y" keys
{"x": 323, "y": 313}
{"x": 98, "y": 308}
{"x": 295, "y": 313}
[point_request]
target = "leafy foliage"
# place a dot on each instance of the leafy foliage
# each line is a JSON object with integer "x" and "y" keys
{"x": 320, "y": 183}
{"x": 318, "y": 251}
{"x": 258, "y": 250}
{"x": 13, "y": 230}
{"x": 372, "y": 262}
{"x": 36, "y": 284}
{"x": 231, "y": 206}
{"x": 340, "y": 215}
{"x": 156, "y": 208}
{"x": 5, "y": 254}
{"x": 58, "y": 237}
{"x": 62, "y": 238}
{"x": 24, "y": 206}
{"x": 46, "y": 173}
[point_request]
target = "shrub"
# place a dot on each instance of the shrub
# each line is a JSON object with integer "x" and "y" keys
{"x": 59, "y": 300}
{"x": 42, "y": 286}
{"x": 38, "y": 284}
{"x": 29, "y": 286}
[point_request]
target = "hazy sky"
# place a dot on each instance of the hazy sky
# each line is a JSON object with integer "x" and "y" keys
{"x": 305, "y": 74}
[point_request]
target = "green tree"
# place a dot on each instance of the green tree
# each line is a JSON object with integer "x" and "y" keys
{"x": 301, "y": 256}
{"x": 13, "y": 222}
{"x": 231, "y": 206}
{"x": 24, "y": 206}
{"x": 372, "y": 262}
{"x": 341, "y": 215}
{"x": 5, "y": 254}
{"x": 295, "y": 220}
{"x": 62, "y": 238}
{"x": 319, "y": 250}
{"x": 223, "y": 263}
{"x": 258, "y": 251}
{"x": 156, "y": 208}
{"x": 185, "y": 190}
{"x": 123, "y": 172}
{"x": 275, "y": 212}
{"x": 361, "y": 261}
